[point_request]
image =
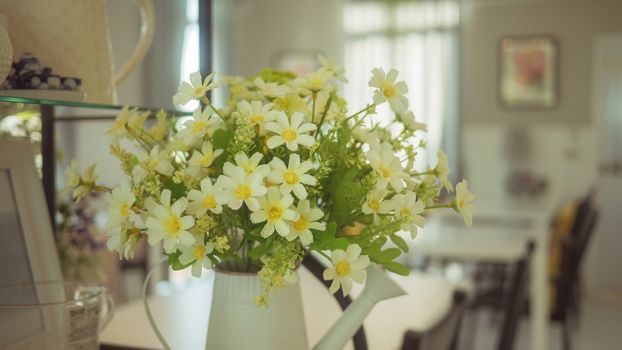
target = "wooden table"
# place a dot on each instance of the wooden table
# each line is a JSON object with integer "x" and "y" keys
{"x": 500, "y": 236}
{"x": 183, "y": 316}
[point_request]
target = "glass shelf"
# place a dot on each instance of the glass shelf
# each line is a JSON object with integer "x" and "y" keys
{"x": 86, "y": 105}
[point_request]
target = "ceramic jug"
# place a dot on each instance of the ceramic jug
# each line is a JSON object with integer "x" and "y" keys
{"x": 72, "y": 38}
{"x": 235, "y": 322}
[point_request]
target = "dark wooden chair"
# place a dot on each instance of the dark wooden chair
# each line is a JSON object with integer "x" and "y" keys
{"x": 516, "y": 301}
{"x": 317, "y": 269}
{"x": 442, "y": 336}
{"x": 566, "y": 286}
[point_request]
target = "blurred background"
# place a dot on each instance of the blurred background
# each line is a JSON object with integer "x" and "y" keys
{"x": 524, "y": 96}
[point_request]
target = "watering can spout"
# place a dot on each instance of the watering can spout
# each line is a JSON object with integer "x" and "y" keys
{"x": 379, "y": 286}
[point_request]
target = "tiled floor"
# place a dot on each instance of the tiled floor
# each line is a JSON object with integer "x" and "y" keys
{"x": 600, "y": 328}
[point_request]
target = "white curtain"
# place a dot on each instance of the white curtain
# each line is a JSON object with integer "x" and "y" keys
{"x": 420, "y": 39}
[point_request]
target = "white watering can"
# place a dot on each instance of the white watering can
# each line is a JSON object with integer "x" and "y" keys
{"x": 72, "y": 38}
{"x": 235, "y": 321}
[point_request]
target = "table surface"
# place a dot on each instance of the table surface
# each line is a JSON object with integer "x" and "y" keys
{"x": 183, "y": 316}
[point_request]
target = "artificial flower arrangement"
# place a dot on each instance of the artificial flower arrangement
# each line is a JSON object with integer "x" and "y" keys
{"x": 285, "y": 168}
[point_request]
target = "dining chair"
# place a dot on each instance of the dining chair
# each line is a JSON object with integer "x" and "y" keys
{"x": 317, "y": 269}
{"x": 443, "y": 335}
{"x": 516, "y": 301}
{"x": 572, "y": 256}
{"x": 513, "y": 301}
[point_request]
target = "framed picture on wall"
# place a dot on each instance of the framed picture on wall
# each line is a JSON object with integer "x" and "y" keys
{"x": 528, "y": 72}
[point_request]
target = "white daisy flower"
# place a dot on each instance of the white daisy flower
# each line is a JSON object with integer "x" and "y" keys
{"x": 195, "y": 89}
{"x": 383, "y": 160}
{"x": 120, "y": 202}
{"x": 293, "y": 177}
{"x": 331, "y": 66}
{"x": 307, "y": 221}
{"x": 389, "y": 90}
{"x": 156, "y": 160}
{"x": 238, "y": 188}
{"x": 408, "y": 119}
{"x": 251, "y": 165}
{"x": 462, "y": 202}
{"x": 205, "y": 157}
{"x": 257, "y": 113}
{"x": 205, "y": 199}
{"x": 270, "y": 90}
{"x": 314, "y": 82}
{"x": 408, "y": 209}
{"x": 274, "y": 209}
{"x": 167, "y": 223}
{"x": 375, "y": 203}
{"x": 290, "y": 134}
{"x": 197, "y": 255}
{"x": 119, "y": 126}
{"x": 442, "y": 170}
{"x": 198, "y": 126}
{"x": 347, "y": 266}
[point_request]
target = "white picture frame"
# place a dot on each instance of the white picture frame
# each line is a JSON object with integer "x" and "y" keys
{"x": 27, "y": 239}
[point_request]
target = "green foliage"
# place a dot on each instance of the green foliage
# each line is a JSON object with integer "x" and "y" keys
{"x": 173, "y": 261}
{"x": 327, "y": 239}
{"x": 276, "y": 76}
{"x": 400, "y": 242}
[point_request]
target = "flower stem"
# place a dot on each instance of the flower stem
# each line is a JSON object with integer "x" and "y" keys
{"x": 445, "y": 205}
{"x": 361, "y": 111}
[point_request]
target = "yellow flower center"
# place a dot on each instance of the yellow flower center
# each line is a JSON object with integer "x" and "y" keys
{"x": 373, "y": 204}
{"x": 290, "y": 177}
{"x": 460, "y": 203}
{"x": 206, "y": 161}
{"x": 385, "y": 172}
{"x": 198, "y": 252}
{"x": 257, "y": 119}
{"x": 199, "y": 126}
{"x": 342, "y": 268}
{"x": 172, "y": 225}
{"x": 290, "y": 134}
{"x": 405, "y": 213}
{"x": 124, "y": 210}
{"x": 283, "y": 103}
{"x": 152, "y": 163}
{"x": 198, "y": 91}
{"x": 388, "y": 90}
{"x": 275, "y": 213}
{"x": 316, "y": 84}
{"x": 209, "y": 202}
{"x": 242, "y": 191}
{"x": 301, "y": 223}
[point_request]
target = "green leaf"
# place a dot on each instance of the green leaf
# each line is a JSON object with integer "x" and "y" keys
{"x": 400, "y": 242}
{"x": 173, "y": 261}
{"x": 398, "y": 268}
{"x": 327, "y": 239}
{"x": 388, "y": 254}
{"x": 348, "y": 193}
{"x": 177, "y": 190}
{"x": 261, "y": 249}
{"x": 221, "y": 138}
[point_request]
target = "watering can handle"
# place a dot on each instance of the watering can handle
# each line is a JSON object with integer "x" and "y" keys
{"x": 147, "y": 29}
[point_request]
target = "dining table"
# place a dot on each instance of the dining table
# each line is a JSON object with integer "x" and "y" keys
{"x": 498, "y": 235}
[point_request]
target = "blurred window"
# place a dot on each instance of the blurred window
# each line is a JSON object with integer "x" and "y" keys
{"x": 190, "y": 48}
{"x": 420, "y": 39}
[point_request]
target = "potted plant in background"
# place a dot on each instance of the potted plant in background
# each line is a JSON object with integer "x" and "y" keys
{"x": 284, "y": 169}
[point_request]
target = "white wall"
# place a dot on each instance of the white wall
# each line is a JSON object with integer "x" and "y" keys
{"x": 563, "y": 137}
{"x": 251, "y": 34}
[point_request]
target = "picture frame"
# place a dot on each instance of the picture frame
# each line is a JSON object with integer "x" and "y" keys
{"x": 28, "y": 250}
{"x": 528, "y": 72}
{"x": 300, "y": 62}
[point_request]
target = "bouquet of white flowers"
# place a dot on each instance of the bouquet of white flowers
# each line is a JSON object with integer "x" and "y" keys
{"x": 283, "y": 169}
